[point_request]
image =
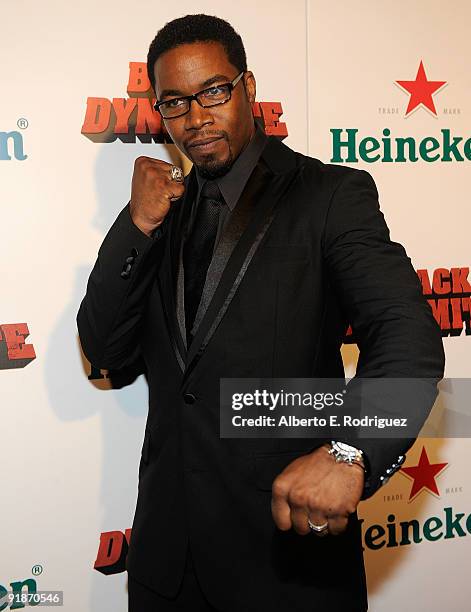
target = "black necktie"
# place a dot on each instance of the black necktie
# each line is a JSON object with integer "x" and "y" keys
{"x": 198, "y": 249}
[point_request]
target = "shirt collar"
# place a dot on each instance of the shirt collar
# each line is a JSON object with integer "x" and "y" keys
{"x": 234, "y": 181}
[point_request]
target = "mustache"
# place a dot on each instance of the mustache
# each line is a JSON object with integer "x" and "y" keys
{"x": 205, "y": 136}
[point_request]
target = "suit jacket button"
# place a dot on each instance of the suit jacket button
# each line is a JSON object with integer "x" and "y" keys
{"x": 189, "y": 398}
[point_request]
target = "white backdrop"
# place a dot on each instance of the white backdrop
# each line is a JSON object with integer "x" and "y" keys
{"x": 71, "y": 446}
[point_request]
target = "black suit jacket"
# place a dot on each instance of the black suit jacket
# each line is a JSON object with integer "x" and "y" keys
{"x": 306, "y": 252}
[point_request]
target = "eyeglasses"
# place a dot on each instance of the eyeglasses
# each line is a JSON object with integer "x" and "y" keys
{"x": 216, "y": 94}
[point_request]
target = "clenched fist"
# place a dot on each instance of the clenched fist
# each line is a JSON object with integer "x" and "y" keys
{"x": 316, "y": 487}
{"x": 152, "y": 192}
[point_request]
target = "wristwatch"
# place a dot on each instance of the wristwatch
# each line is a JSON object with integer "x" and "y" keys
{"x": 347, "y": 454}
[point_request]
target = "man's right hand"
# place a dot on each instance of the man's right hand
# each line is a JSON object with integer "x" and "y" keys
{"x": 152, "y": 193}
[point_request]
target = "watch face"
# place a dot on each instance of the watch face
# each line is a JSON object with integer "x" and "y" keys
{"x": 346, "y": 448}
{"x": 348, "y": 452}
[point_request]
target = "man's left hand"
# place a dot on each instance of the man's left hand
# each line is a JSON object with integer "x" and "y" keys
{"x": 316, "y": 487}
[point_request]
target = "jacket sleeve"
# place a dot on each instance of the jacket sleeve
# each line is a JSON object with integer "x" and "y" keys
{"x": 381, "y": 296}
{"x": 110, "y": 314}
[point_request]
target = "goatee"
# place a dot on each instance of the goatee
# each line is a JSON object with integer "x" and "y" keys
{"x": 213, "y": 169}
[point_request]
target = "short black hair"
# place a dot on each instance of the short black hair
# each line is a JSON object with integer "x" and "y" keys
{"x": 196, "y": 28}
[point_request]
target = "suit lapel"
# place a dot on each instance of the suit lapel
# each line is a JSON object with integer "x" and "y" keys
{"x": 248, "y": 224}
{"x": 170, "y": 277}
{"x": 238, "y": 222}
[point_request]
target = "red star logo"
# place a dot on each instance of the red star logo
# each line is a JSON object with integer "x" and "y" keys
{"x": 424, "y": 475}
{"x": 421, "y": 91}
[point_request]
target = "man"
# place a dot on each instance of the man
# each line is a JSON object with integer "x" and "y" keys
{"x": 251, "y": 267}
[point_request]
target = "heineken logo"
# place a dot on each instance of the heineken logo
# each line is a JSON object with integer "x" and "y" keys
{"x": 423, "y": 475}
{"x": 446, "y": 526}
{"x": 421, "y": 91}
{"x": 351, "y": 147}
{"x": 16, "y": 594}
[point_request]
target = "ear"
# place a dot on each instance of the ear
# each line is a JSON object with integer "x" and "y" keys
{"x": 250, "y": 86}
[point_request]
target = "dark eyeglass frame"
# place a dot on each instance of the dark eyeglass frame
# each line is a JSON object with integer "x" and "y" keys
{"x": 229, "y": 85}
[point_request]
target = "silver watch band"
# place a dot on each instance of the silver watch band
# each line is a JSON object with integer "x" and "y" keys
{"x": 347, "y": 453}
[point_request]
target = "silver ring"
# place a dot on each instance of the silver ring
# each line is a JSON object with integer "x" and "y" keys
{"x": 176, "y": 174}
{"x": 317, "y": 528}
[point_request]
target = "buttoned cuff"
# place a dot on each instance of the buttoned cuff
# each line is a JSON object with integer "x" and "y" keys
{"x": 141, "y": 240}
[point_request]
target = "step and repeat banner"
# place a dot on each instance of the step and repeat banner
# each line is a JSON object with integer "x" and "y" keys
{"x": 379, "y": 86}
